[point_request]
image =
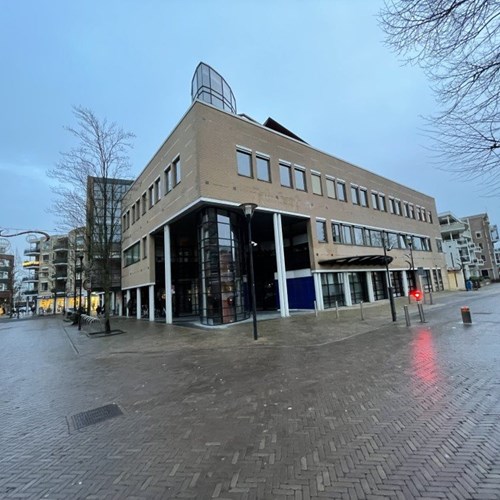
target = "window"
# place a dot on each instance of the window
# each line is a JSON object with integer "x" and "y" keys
{"x": 392, "y": 206}
{"x": 144, "y": 247}
{"x": 137, "y": 209}
{"x": 347, "y": 235}
{"x": 244, "y": 160}
{"x": 375, "y": 203}
{"x": 354, "y": 195}
{"x": 144, "y": 203}
{"x": 429, "y": 217}
{"x": 397, "y": 206}
{"x": 151, "y": 196}
{"x": 417, "y": 210}
{"x": 132, "y": 255}
{"x": 337, "y": 238}
{"x": 285, "y": 175}
{"x": 411, "y": 209}
{"x": 168, "y": 180}
{"x": 133, "y": 214}
{"x": 300, "y": 179}
{"x": 405, "y": 209}
{"x": 341, "y": 193}
{"x": 321, "y": 231}
{"x": 375, "y": 238}
{"x": 478, "y": 234}
{"x": 359, "y": 236}
{"x": 382, "y": 204}
{"x": 177, "y": 170}
{"x": 263, "y": 169}
{"x": 363, "y": 197}
{"x": 157, "y": 190}
{"x": 330, "y": 188}
{"x": 316, "y": 183}
{"x": 422, "y": 213}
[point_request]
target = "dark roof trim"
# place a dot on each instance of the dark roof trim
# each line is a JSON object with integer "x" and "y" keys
{"x": 359, "y": 260}
{"x": 277, "y": 127}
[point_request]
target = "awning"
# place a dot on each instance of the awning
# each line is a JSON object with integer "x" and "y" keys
{"x": 358, "y": 260}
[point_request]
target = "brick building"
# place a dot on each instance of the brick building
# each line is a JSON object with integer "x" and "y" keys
{"x": 318, "y": 232}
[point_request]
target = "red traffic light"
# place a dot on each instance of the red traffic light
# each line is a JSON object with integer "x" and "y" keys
{"x": 416, "y": 294}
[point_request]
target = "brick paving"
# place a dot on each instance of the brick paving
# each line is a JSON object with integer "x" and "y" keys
{"x": 318, "y": 407}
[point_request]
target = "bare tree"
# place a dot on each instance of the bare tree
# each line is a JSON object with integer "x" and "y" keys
{"x": 89, "y": 193}
{"x": 457, "y": 43}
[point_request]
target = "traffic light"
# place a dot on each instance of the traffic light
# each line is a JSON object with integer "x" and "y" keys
{"x": 416, "y": 294}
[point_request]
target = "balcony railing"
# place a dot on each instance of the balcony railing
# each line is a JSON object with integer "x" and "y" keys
{"x": 30, "y": 279}
{"x": 454, "y": 227}
{"x": 59, "y": 262}
{"x": 31, "y": 251}
{"x": 29, "y": 292}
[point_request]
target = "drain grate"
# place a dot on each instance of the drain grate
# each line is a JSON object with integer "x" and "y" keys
{"x": 95, "y": 416}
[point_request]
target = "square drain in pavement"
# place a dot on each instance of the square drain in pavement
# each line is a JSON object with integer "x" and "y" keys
{"x": 95, "y": 416}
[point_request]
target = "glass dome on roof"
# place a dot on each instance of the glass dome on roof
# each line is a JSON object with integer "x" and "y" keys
{"x": 209, "y": 86}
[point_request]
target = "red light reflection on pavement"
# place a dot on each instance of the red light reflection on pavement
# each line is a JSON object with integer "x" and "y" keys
{"x": 424, "y": 361}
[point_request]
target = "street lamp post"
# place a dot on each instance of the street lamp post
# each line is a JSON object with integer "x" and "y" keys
{"x": 389, "y": 281}
{"x": 248, "y": 210}
{"x": 80, "y": 257}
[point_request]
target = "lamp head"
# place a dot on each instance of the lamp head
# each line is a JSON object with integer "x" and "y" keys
{"x": 248, "y": 209}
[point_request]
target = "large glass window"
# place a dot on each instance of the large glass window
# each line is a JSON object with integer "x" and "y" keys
{"x": 244, "y": 160}
{"x": 285, "y": 175}
{"x": 359, "y": 236}
{"x": 300, "y": 179}
{"x": 347, "y": 235}
{"x": 132, "y": 255}
{"x": 224, "y": 297}
{"x": 333, "y": 289}
{"x": 263, "y": 169}
{"x": 337, "y": 236}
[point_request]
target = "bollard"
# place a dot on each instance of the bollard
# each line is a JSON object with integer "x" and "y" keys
{"x": 407, "y": 316}
{"x": 316, "y": 308}
{"x": 466, "y": 316}
{"x": 421, "y": 312}
{"x": 430, "y": 298}
{"x": 337, "y": 309}
{"x": 361, "y": 310}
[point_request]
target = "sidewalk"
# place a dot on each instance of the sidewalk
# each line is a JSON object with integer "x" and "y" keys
{"x": 303, "y": 328}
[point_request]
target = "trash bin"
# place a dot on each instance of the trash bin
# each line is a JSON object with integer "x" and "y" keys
{"x": 466, "y": 316}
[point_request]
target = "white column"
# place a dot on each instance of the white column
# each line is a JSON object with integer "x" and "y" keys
{"x": 151, "y": 302}
{"x": 406, "y": 288}
{"x": 318, "y": 290}
{"x": 347, "y": 290}
{"x": 369, "y": 286}
{"x": 127, "y": 303}
{"x": 280, "y": 265}
{"x": 112, "y": 299}
{"x": 138, "y": 302}
{"x": 168, "y": 275}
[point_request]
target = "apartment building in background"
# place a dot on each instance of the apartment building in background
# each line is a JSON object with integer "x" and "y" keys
{"x": 318, "y": 231}
{"x": 485, "y": 235}
{"x": 6, "y": 277}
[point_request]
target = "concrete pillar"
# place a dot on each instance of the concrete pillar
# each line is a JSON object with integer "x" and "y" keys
{"x": 127, "y": 303}
{"x": 168, "y": 275}
{"x": 406, "y": 286}
{"x": 369, "y": 286}
{"x": 347, "y": 290}
{"x": 318, "y": 290}
{"x": 151, "y": 303}
{"x": 280, "y": 265}
{"x": 138, "y": 301}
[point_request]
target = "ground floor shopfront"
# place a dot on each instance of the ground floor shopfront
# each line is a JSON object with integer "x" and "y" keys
{"x": 202, "y": 271}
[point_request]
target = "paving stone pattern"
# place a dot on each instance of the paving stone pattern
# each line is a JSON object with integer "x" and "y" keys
{"x": 387, "y": 412}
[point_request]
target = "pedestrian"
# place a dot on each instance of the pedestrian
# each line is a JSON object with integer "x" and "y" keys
{"x": 98, "y": 310}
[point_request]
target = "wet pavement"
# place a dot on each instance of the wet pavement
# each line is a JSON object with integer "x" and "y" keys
{"x": 318, "y": 407}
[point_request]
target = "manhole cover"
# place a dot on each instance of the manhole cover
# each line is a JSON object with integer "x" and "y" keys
{"x": 91, "y": 417}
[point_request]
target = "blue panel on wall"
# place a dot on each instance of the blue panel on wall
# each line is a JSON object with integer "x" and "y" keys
{"x": 301, "y": 293}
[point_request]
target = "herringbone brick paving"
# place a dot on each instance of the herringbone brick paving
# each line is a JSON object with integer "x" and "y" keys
{"x": 391, "y": 413}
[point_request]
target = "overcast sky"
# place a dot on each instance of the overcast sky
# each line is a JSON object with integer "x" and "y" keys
{"x": 319, "y": 67}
